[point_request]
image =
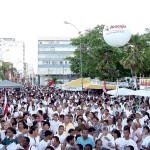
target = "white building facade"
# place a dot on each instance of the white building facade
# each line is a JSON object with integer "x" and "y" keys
{"x": 13, "y": 51}
{"x": 52, "y": 53}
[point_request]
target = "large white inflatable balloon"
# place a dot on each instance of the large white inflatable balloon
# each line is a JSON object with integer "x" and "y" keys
{"x": 116, "y": 35}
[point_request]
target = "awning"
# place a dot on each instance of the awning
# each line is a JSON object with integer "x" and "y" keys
{"x": 9, "y": 84}
{"x": 77, "y": 82}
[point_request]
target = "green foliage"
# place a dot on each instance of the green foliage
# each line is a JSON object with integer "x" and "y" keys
{"x": 137, "y": 54}
{"x": 106, "y": 62}
{"x": 4, "y": 69}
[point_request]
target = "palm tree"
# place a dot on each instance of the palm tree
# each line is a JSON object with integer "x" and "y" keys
{"x": 135, "y": 54}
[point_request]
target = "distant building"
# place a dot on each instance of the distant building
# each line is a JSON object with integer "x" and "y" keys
{"x": 13, "y": 51}
{"x": 51, "y": 59}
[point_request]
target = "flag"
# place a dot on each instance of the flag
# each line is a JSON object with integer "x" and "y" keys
{"x": 50, "y": 83}
{"x": 104, "y": 88}
{"x": 5, "y": 106}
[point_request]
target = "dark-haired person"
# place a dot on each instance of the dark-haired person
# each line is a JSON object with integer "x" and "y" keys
{"x": 15, "y": 112}
{"x": 96, "y": 124}
{"x": 106, "y": 137}
{"x": 79, "y": 147}
{"x": 118, "y": 142}
{"x": 127, "y": 140}
{"x": 70, "y": 141}
{"x": 45, "y": 127}
{"x": 40, "y": 114}
{"x": 55, "y": 123}
{"x": 56, "y": 143}
{"x": 27, "y": 119}
{"x": 84, "y": 139}
{"x": 92, "y": 133}
{"x": 44, "y": 143}
{"x": 22, "y": 128}
{"x": 25, "y": 144}
{"x": 88, "y": 147}
{"x": 49, "y": 148}
{"x": 129, "y": 122}
{"x": 146, "y": 132}
{"x": 98, "y": 145}
{"x": 72, "y": 132}
{"x": 33, "y": 136}
{"x": 10, "y": 136}
{"x": 129, "y": 147}
{"x": 61, "y": 134}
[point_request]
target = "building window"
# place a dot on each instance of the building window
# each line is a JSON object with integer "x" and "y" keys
{"x": 52, "y": 48}
{"x": 51, "y": 42}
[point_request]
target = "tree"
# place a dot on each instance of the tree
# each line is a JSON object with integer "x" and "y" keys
{"x": 136, "y": 54}
{"x": 6, "y": 70}
{"x": 99, "y": 59}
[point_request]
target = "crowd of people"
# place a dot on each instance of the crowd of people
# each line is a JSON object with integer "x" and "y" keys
{"x": 45, "y": 118}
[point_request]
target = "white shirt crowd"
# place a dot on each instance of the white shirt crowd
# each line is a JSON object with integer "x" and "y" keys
{"x": 43, "y": 118}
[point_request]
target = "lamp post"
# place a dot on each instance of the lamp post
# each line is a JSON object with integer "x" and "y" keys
{"x": 81, "y": 65}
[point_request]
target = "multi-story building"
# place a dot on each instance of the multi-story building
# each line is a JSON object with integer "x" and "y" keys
{"x": 13, "y": 51}
{"x": 51, "y": 59}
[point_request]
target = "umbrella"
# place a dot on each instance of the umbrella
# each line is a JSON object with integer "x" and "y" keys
{"x": 120, "y": 91}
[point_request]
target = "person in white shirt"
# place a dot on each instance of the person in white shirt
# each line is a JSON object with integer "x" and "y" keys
{"x": 33, "y": 110}
{"x": 24, "y": 144}
{"x": 146, "y": 143}
{"x": 118, "y": 142}
{"x": 127, "y": 140}
{"x": 46, "y": 141}
{"x": 56, "y": 143}
{"x": 34, "y": 138}
{"x": 61, "y": 134}
{"x": 41, "y": 107}
{"x": 55, "y": 123}
{"x": 92, "y": 132}
{"x": 105, "y": 137}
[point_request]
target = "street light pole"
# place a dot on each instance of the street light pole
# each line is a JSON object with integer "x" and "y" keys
{"x": 81, "y": 65}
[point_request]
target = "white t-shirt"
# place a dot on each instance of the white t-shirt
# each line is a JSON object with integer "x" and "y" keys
{"x": 130, "y": 142}
{"x": 34, "y": 142}
{"x": 140, "y": 120}
{"x": 104, "y": 141}
{"x": 58, "y": 148}
{"x": 43, "y": 144}
{"x": 119, "y": 142}
{"x": 146, "y": 141}
{"x": 55, "y": 125}
{"x": 61, "y": 137}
